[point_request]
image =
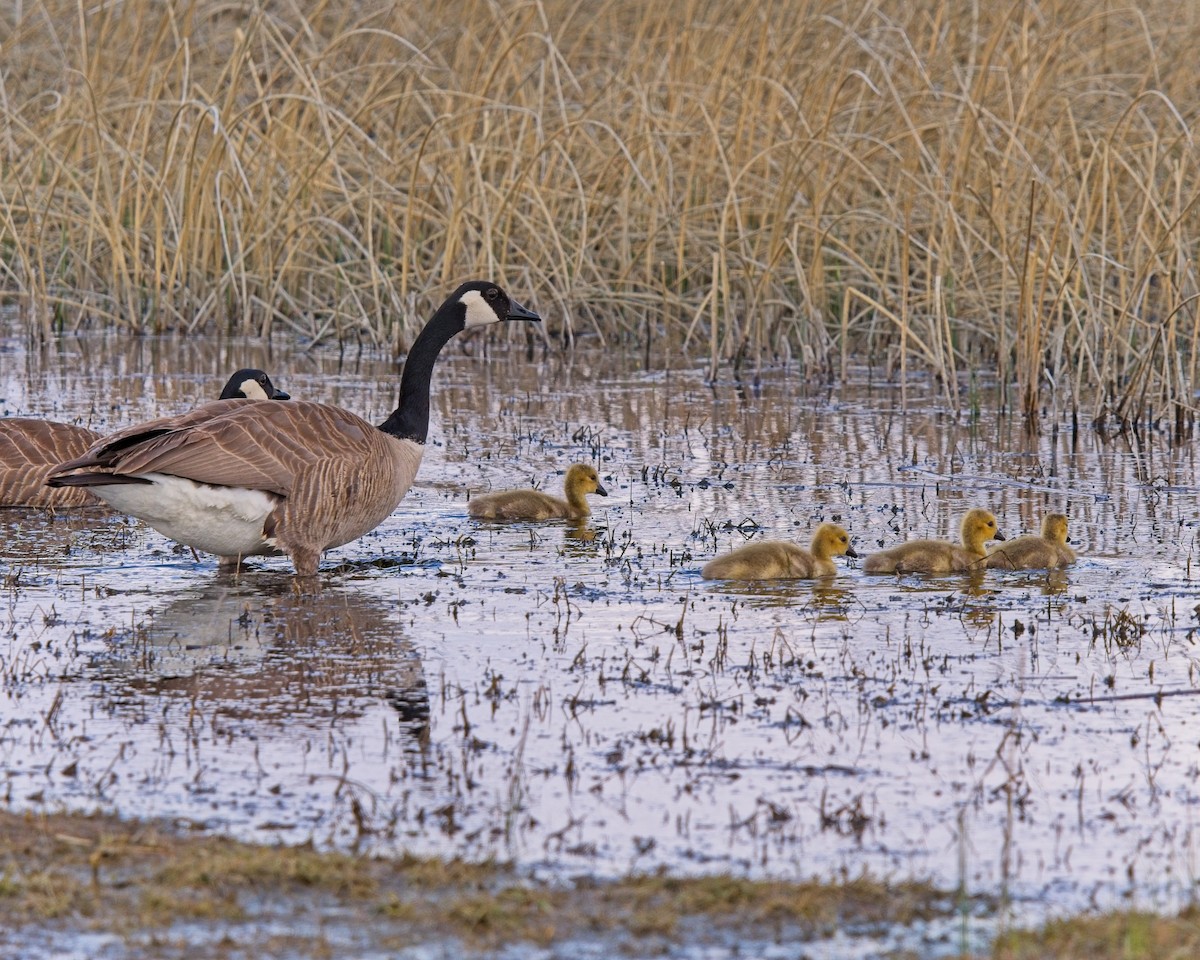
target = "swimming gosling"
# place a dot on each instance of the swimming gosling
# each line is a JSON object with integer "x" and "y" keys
{"x": 1045, "y": 551}
{"x": 581, "y": 480}
{"x": 29, "y": 448}
{"x": 245, "y": 479}
{"x": 780, "y": 559}
{"x": 939, "y": 556}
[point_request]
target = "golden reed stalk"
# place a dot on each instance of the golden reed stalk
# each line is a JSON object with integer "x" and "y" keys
{"x": 928, "y": 185}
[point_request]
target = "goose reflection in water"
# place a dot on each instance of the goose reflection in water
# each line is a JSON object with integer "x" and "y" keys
{"x": 261, "y": 652}
{"x": 582, "y": 539}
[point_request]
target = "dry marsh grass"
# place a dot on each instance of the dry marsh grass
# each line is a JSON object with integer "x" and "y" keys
{"x": 930, "y": 185}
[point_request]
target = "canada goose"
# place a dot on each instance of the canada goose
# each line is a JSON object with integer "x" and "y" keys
{"x": 1044, "y": 551}
{"x": 779, "y": 559}
{"x": 938, "y": 556}
{"x": 241, "y": 479}
{"x": 30, "y": 447}
{"x": 581, "y": 480}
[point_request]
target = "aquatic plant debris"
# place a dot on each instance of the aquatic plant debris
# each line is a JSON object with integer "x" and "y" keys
{"x": 575, "y": 700}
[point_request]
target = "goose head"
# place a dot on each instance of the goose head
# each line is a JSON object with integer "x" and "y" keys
{"x": 978, "y": 526}
{"x": 1054, "y": 527}
{"x": 482, "y": 303}
{"x": 583, "y": 479}
{"x": 830, "y": 540}
{"x": 476, "y": 303}
{"x": 252, "y": 384}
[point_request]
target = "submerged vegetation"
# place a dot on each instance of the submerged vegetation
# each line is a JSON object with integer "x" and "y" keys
{"x": 927, "y": 185}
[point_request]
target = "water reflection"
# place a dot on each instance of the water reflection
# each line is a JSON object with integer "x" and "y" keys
{"x": 579, "y": 539}
{"x": 42, "y": 536}
{"x": 254, "y": 648}
{"x": 970, "y": 597}
{"x": 834, "y": 599}
{"x": 826, "y": 598}
{"x": 1049, "y": 583}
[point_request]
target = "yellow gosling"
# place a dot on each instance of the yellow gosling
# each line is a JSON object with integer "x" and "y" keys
{"x": 939, "y": 556}
{"x": 581, "y": 480}
{"x": 1045, "y": 551}
{"x": 779, "y": 559}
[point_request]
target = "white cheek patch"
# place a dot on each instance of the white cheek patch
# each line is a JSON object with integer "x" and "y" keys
{"x": 252, "y": 390}
{"x": 479, "y": 311}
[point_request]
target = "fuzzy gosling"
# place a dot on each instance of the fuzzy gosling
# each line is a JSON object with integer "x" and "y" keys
{"x": 780, "y": 559}
{"x": 581, "y": 480}
{"x": 1045, "y": 551}
{"x": 939, "y": 556}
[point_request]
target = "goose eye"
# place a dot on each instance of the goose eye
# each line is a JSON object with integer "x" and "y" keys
{"x": 491, "y": 293}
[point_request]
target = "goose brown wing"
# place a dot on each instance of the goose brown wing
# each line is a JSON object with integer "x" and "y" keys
{"x": 41, "y": 443}
{"x": 105, "y": 451}
{"x": 28, "y": 449}
{"x": 235, "y": 443}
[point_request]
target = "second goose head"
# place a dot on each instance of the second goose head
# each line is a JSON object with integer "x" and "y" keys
{"x": 252, "y": 384}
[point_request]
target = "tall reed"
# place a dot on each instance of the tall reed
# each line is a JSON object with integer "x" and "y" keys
{"x": 928, "y": 185}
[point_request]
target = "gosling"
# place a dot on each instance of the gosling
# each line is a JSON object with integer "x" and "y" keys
{"x": 1045, "y": 551}
{"x": 939, "y": 556}
{"x": 779, "y": 559}
{"x": 581, "y": 480}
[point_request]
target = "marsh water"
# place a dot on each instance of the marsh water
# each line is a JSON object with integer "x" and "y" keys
{"x": 575, "y": 698}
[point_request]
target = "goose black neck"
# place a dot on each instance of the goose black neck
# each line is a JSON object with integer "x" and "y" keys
{"x": 410, "y": 419}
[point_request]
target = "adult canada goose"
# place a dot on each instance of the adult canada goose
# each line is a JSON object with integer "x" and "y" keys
{"x": 938, "y": 556}
{"x": 779, "y": 559}
{"x": 29, "y": 448}
{"x": 581, "y": 480}
{"x": 1045, "y": 551}
{"x": 241, "y": 479}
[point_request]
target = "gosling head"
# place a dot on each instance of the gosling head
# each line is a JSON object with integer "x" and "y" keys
{"x": 582, "y": 477}
{"x": 979, "y": 525}
{"x": 830, "y": 540}
{"x": 1054, "y": 527}
{"x": 252, "y": 384}
{"x": 483, "y": 303}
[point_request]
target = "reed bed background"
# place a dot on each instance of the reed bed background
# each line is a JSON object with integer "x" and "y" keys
{"x": 927, "y": 185}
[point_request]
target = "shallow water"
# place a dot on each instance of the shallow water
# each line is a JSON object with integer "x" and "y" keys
{"x": 576, "y": 698}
